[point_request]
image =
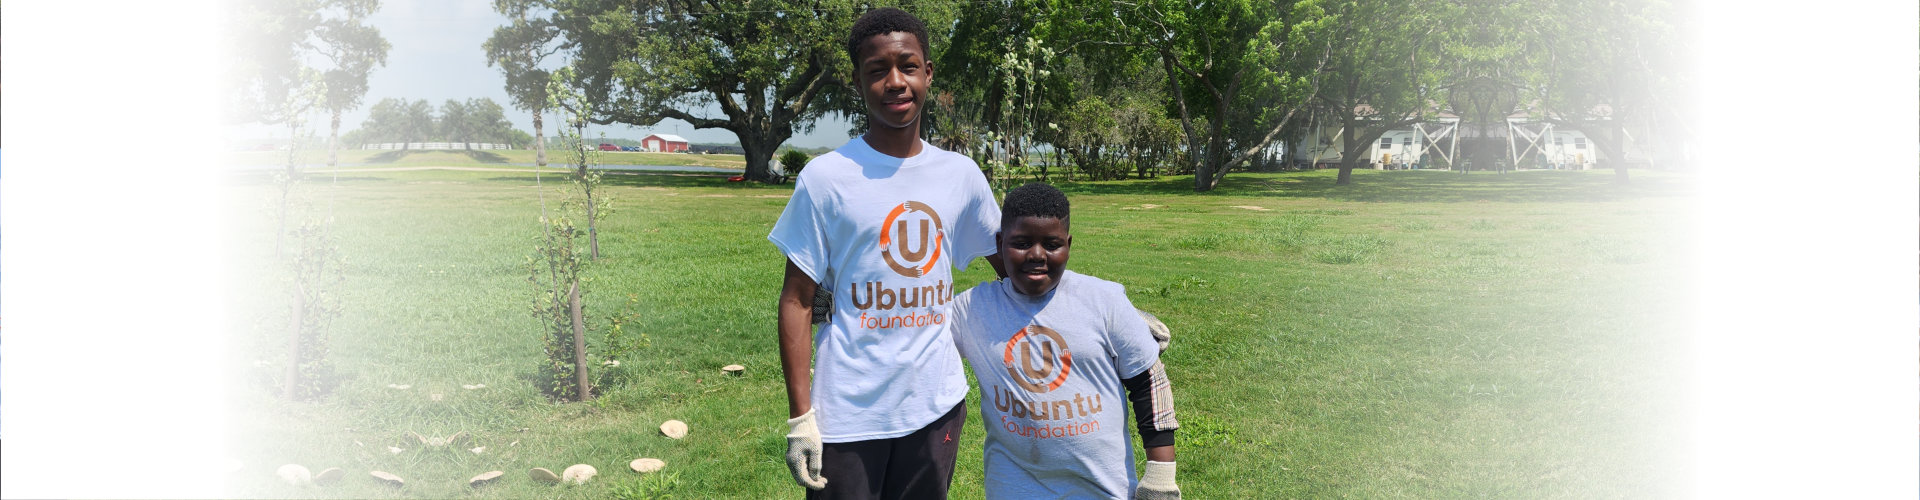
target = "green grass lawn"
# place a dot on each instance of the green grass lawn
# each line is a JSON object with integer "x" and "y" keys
{"x": 1418, "y": 334}
{"x": 480, "y": 158}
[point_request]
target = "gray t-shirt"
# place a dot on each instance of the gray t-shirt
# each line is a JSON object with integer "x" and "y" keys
{"x": 1049, "y": 369}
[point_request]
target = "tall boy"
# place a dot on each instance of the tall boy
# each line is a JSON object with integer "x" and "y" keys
{"x": 880, "y": 220}
{"x": 1053, "y": 350}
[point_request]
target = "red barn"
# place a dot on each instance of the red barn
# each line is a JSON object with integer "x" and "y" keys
{"x": 664, "y": 143}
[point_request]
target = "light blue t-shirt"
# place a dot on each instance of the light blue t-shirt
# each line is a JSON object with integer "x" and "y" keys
{"x": 1050, "y": 371}
{"x": 884, "y": 233}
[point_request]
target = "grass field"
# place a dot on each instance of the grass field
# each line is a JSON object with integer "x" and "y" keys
{"x": 480, "y": 158}
{"x": 1417, "y": 335}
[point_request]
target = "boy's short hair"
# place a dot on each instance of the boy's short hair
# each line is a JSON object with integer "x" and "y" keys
{"x": 1035, "y": 199}
{"x": 882, "y": 21}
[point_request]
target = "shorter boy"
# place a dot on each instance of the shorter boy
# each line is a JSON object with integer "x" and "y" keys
{"x": 1053, "y": 350}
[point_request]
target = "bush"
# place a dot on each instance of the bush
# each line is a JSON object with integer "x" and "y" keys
{"x": 792, "y": 161}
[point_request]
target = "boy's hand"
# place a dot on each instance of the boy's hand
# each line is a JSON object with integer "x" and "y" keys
{"x": 1161, "y": 335}
{"x": 803, "y": 451}
{"x": 1156, "y": 482}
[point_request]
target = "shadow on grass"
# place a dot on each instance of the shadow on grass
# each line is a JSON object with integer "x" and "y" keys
{"x": 389, "y": 156}
{"x": 485, "y": 156}
{"x": 478, "y": 156}
{"x": 1412, "y": 186}
{"x": 656, "y": 179}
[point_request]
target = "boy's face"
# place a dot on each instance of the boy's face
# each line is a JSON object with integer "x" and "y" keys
{"x": 892, "y": 77}
{"x": 1034, "y": 252}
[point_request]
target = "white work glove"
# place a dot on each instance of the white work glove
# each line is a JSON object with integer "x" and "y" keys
{"x": 1156, "y": 482}
{"x": 1161, "y": 335}
{"x": 803, "y": 451}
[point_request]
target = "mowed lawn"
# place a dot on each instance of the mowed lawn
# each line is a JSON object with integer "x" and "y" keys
{"x": 1416, "y": 335}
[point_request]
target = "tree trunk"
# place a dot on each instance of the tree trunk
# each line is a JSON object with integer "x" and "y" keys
{"x": 539, "y": 141}
{"x": 1349, "y": 155}
{"x": 333, "y": 141}
{"x": 582, "y": 391}
{"x": 1207, "y": 175}
{"x": 291, "y": 389}
{"x": 759, "y": 151}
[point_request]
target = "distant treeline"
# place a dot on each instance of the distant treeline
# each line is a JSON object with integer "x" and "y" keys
{"x": 477, "y": 120}
{"x": 697, "y": 148}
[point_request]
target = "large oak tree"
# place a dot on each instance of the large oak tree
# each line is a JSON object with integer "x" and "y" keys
{"x": 763, "y": 66}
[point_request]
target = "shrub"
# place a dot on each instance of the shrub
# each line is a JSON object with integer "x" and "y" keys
{"x": 792, "y": 161}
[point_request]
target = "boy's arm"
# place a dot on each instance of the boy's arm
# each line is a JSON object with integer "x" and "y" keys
{"x": 1152, "y": 398}
{"x": 998, "y": 267}
{"x": 804, "y": 449}
{"x": 796, "y": 338}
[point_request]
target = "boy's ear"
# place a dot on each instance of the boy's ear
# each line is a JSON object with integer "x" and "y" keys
{"x": 996, "y": 241}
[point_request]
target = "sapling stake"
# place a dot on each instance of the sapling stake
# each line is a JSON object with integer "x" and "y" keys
{"x": 579, "y": 344}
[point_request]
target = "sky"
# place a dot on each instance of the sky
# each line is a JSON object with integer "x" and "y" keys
{"x": 436, "y": 56}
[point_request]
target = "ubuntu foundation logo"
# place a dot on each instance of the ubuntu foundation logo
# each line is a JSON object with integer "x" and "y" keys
{"x": 1038, "y": 359}
{"x": 917, "y": 251}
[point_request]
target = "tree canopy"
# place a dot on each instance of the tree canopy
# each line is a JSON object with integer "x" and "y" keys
{"x": 766, "y": 67}
{"x": 1101, "y": 88}
{"x": 476, "y": 120}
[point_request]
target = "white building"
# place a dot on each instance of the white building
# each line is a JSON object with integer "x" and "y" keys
{"x": 1527, "y": 145}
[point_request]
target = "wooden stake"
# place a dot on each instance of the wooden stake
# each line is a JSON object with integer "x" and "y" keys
{"x": 579, "y": 344}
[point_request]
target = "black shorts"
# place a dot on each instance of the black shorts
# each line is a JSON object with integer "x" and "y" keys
{"x": 917, "y": 466}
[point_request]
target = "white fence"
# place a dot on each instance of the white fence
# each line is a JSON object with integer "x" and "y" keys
{"x": 437, "y": 145}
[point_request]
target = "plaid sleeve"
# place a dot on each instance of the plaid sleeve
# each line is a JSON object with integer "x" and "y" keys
{"x": 1152, "y": 397}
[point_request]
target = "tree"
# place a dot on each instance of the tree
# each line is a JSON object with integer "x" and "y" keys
{"x": 417, "y": 123}
{"x": 353, "y": 49}
{"x": 1087, "y": 130}
{"x": 996, "y": 90}
{"x": 1148, "y": 136}
{"x": 272, "y": 84}
{"x": 454, "y": 124}
{"x": 1604, "y": 67}
{"x": 488, "y": 122}
{"x": 764, "y": 65}
{"x": 518, "y": 49}
{"x": 1237, "y": 71}
{"x": 384, "y": 123}
{"x": 473, "y": 120}
{"x": 1381, "y": 73}
{"x": 270, "y": 38}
